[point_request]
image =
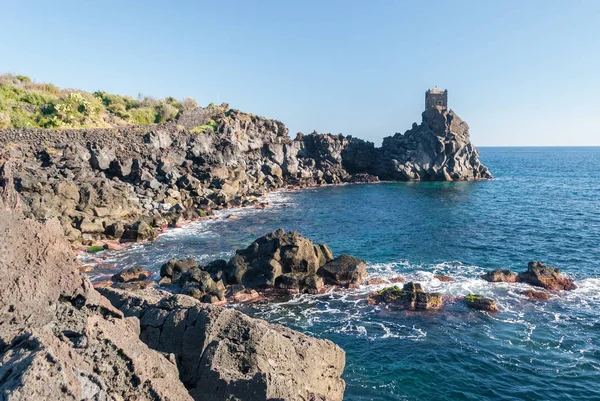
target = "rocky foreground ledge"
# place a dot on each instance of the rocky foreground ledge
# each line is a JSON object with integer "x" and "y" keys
{"x": 60, "y": 339}
{"x": 127, "y": 183}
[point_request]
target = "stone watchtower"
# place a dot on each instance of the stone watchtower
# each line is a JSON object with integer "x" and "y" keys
{"x": 435, "y": 98}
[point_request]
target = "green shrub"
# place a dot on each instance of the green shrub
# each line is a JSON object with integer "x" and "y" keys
{"x": 19, "y": 118}
{"x": 165, "y": 112}
{"x": 143, "y": 115}
{"x": 23, "y": 78}
{"x": 119, "y": 110}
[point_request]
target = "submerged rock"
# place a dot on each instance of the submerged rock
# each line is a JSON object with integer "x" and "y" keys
{"x": 536, "y": 295}
{"x": 550, "y": 278}
{"x": 500, "y": 276}
{"x": 410, "y": 297}
{"x": 480, "y": 302}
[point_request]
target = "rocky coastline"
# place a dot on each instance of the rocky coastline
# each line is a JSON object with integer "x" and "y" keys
{"x": 126, "y": 184}
{"x": 61, "y": 339}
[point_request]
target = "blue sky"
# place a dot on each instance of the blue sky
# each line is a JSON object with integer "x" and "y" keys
{"x": 519, "y": 72}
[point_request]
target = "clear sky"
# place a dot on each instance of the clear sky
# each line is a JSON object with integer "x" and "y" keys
{"x": 523, "y": 72}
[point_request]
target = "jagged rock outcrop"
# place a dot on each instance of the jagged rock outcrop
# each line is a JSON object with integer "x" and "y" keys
{"x": 128, "y": 182}
{"x": 223, "y": 354}
{"x": 279, "y": 260}
{"x": 537, "y": 274}
{"x": 439, "y": 149}
{"x": 550, "y": 278}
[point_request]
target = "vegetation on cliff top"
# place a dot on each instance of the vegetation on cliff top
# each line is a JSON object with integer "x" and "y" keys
{"x": 24, "y": 103}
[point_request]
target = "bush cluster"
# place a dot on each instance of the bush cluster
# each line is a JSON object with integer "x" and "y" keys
{"x": 24, "y": 103}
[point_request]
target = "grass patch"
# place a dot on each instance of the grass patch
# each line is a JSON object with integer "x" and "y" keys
{"x": 95, "y": 249}
{"x": 24, "y": 103}
{"x": 211, "y": 126}
{"x": 473, "y": 297}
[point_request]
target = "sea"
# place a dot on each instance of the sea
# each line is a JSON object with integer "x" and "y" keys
{"x": 543, "y": 205}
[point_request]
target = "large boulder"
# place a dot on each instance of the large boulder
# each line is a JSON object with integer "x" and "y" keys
{"x": 276, "y": 254}
{"x": 223, "y": 354}
{"x": 344, "y": 270}
{"x": 94, "y": 359}
{"x": 550, "y": 278}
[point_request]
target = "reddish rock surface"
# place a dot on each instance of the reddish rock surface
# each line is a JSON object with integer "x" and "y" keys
{"x": 536, "y": 295}
{"x": 550, "y": 278}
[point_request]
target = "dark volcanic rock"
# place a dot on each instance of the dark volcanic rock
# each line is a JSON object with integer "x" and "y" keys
{"x": 344, "y": 270}
{"x": 547, "y": 277}
{"x": 100, "y": 186}
{"x": 410, "y": 297}
{"x": 439, "y": 149}
{"x": 276, "y": 254}
{"x": 480, "y": 302}
{"x": 174, "y": 267}
{"x": 225, "y": 355}
{"x": 499, "y": 275}
{"x": 131, "y": 274}
{"x": 286, "y": 261}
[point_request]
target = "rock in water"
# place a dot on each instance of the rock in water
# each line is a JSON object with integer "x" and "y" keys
{"x": 223, "y": 354}
{"x": 410, "y": 297}
{"x": 439, "y": 149}
{"x": 500, "y": 276}
{"x": 265, "y": 262}
{"x": 480, "y": 302}
{"x": 536, "y": 295}
{"x": 550, "y": 278}
{"x": 345, "y": 270}
{"x": 443, "y": 278}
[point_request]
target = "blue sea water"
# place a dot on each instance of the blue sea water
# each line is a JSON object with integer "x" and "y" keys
{"x": 543, "y": 205}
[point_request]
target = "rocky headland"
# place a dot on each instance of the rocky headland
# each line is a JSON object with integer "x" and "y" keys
{"x": 126, "y": 183}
